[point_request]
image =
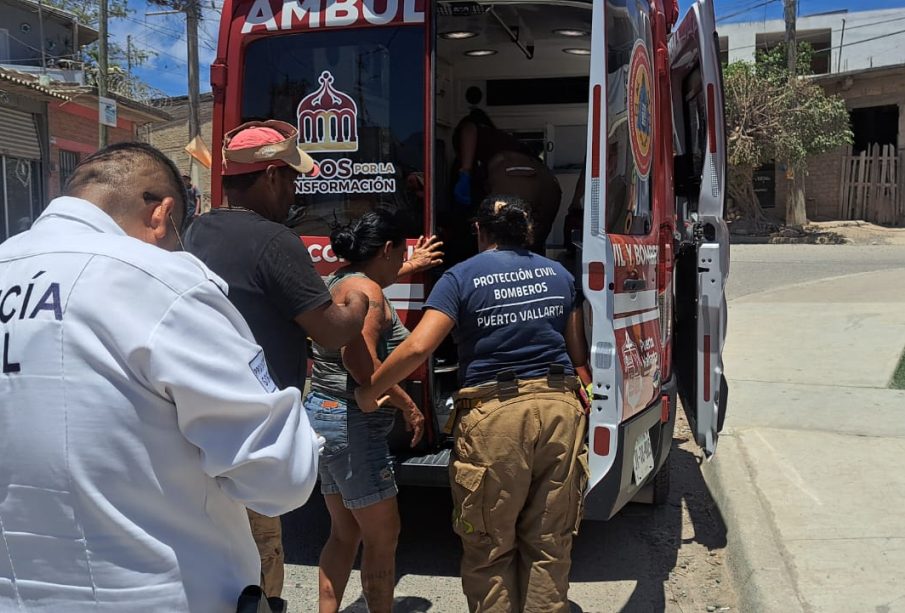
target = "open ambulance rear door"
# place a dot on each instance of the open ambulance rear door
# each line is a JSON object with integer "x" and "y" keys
{"x": 702, "y": 260}
{"x": 625, "y": 252}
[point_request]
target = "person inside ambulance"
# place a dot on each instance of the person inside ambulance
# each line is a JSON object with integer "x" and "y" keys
{"x": 272, "y": 281}
{"x": 519, "y": 462}
{"x": 138, "y": 418}
{"x": 490, "y": 160}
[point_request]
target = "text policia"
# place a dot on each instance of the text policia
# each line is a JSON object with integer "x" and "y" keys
{"x": 19, "y": 301}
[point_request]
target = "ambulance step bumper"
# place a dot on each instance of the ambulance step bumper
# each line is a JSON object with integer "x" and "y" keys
{"x": 428, "y": 470}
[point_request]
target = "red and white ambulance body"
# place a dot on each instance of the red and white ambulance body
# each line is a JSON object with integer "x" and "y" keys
{"x": 620, "y": 110}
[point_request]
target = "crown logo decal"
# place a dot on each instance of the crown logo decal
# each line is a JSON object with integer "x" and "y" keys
{"x": 328, "y": 119}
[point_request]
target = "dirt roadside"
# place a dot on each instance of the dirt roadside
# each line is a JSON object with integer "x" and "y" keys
{"x": 821, "y": 233}
{"x": 699, "y": 580}
{"x": 862, "y": 232}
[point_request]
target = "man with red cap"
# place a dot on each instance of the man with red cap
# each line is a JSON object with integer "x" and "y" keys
{"x": 272, "y": 281}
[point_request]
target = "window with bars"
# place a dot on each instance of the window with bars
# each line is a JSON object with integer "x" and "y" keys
{"x": 68, "y": 161}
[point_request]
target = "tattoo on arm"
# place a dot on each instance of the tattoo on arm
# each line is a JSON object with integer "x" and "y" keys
{"x": 373, "y": 304}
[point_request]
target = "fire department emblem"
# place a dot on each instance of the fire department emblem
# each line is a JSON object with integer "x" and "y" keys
{"x": 640, "y": 121}
{"x": 328, "y": 119}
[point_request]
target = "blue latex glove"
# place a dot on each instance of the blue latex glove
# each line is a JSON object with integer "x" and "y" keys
{"x": 462, "y": 190}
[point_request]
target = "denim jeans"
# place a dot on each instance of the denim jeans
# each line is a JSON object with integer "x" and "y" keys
{"x": 356, "y": 462}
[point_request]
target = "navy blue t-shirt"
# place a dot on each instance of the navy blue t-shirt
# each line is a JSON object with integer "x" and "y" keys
{"x": 510, "y": 309}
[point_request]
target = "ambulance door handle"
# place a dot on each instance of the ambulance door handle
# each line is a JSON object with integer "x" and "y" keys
{"x": 633, "y": 285}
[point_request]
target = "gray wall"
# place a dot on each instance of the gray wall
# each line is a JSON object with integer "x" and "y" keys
{"x": 884, "y": 27}
{"x": 24, "y": 35}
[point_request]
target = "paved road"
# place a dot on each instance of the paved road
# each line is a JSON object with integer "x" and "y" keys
{"x": 758, "y": 268}
{"x": 647, "y": 559}
{"x": 668, "y": 558}
{"x": 807, "y": 473}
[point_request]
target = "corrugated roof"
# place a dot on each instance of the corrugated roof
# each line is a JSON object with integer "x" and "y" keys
{"x": 31, "y": 82}
{"x": 70, "y": 91}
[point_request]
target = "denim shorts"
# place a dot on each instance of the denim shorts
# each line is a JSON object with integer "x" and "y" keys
{"x": 356, "y": 462}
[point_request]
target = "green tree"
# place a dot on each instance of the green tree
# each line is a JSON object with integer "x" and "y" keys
{"x": 774, "y": 115}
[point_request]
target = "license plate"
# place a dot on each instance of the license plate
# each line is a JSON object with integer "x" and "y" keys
{"x": 644, "y": 457}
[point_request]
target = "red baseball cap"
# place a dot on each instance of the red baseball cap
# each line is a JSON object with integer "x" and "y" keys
{"x": 255, "y": 145}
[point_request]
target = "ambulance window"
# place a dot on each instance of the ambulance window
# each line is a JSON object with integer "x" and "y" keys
{"x": 630, "y": 116}
{"x": 359, "y": 109}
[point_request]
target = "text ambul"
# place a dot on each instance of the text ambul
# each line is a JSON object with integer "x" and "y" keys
{"x": 314, "y": 14}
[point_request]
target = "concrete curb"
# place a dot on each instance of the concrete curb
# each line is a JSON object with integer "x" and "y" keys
{"x": 762, "y": 577}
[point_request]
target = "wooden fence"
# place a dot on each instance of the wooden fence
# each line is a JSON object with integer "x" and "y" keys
{"x": 872, "y": 186}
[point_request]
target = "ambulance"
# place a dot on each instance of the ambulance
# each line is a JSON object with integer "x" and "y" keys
{"x": 622, "y": 102}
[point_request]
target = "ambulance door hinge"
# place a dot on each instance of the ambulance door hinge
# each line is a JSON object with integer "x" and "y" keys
{"x": 218, "y": 76}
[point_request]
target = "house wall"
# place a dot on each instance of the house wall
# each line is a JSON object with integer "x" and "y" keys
{"x": 171, "y": 137}
{"x": 73, "y": 127}
{"x": 858, "y": 91}
{"x": 886, "y": 46}
{"x": 24, "y": 30}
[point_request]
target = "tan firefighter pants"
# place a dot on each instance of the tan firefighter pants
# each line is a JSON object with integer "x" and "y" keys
{"x": 268, "y": 533}
{"x": 518, "y": 474}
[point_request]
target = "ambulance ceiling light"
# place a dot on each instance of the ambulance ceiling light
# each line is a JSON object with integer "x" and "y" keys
{"x": 572, "y": 33}
{"x": 480, "y": 52}
{"x": 458, "y": 35}
{"x": 577, "y": 51}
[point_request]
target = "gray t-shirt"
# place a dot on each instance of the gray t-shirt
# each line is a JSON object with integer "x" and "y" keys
{"x": 329, "y": 375}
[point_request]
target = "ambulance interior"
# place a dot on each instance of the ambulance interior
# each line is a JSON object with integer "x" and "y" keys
{"x": 526, "y": 65}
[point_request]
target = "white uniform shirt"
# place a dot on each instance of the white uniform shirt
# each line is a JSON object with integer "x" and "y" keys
{"x": 137, "y": 420}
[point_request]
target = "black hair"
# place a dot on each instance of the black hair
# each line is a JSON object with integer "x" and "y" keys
{"x": 243, "y": 182}
{"x": 507, "y": 219}
{"x": 111, "y": 166}
{"x": 480, "y": 118}
{"x": 363, "y": 238}
{"x": 474, "y": 95}
{"x": 477, "y": 117}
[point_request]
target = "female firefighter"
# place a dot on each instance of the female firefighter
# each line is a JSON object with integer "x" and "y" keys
{"x": 519, "y": 465}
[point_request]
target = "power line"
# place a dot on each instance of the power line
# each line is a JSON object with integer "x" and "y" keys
{"x": 814, "y": 35}
{"x": 165, "y": 31}
{"x": 747, "y": 10}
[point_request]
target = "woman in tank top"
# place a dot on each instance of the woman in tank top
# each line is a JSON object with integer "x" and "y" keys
{"x": 356, "y": 469}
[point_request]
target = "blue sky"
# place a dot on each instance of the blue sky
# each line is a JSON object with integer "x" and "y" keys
{"x": 165, "y": 34}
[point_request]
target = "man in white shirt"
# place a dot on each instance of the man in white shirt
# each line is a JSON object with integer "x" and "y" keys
{"x": 138, "y": 417}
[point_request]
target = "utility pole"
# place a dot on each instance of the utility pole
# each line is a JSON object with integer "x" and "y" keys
{"x": 102, "y": 69}
{"x": 129, "y": 56}
{"x": 192, "y": 17}
{"x": 41, "y": 34}
{"x": 791, "y": 44}
{"x": 796, "y": 209}
{"x": 192, "y": 10}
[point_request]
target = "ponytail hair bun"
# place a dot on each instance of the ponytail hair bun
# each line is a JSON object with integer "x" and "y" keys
{"x": 343, "y": 241}
{"x": 507, "y": 219}
{"x": 363, "y": 238}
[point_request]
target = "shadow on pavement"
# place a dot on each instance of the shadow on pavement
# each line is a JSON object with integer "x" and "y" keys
{"x": 640, "y": 544}
{"x": 407, "y": 604}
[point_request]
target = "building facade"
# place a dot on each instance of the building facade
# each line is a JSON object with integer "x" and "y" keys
{"x": 859, "y": 56}
{"x": 843, "y": 41}
{"x": 48, "y": 116}
{"x": 172, "y": 136}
